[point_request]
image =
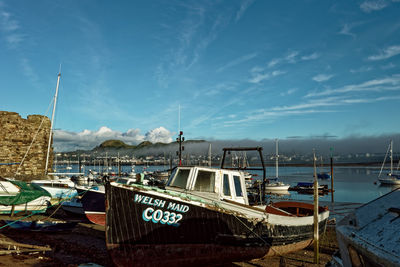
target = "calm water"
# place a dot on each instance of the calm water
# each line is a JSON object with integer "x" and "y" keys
{"x": 352, "y": 184}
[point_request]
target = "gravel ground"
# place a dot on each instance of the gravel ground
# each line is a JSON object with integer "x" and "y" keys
{"x": 86, "y": 244}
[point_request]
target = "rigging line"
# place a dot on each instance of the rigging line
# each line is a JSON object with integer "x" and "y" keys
{"x": 34, "y": 138}
{"x": 384, "y": 160}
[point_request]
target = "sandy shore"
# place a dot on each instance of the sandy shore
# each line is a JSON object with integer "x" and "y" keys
{"x": 85, "y": 243}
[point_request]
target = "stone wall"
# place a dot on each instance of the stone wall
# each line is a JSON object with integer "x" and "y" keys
{"x": 16, "y": 136}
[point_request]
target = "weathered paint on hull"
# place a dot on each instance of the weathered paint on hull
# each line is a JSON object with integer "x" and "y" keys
{"x": 205, "y": 235}
{"x": 96, "y": 218}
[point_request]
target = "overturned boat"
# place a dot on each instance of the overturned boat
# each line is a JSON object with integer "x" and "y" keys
{"x": 370, "y": 236}
{"x": 201, "y": 217}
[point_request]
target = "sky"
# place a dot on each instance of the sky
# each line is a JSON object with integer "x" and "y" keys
{"x": 217, "y": 70}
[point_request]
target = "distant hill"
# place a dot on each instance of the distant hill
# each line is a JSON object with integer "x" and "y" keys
{"x": 114, "y": 146}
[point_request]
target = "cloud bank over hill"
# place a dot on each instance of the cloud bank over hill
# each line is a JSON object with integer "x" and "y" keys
{"x": 87, "y": 140}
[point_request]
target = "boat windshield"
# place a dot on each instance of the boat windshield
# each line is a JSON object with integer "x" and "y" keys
{"x": 205, "y": 181}
{"x": 180, "y": 178}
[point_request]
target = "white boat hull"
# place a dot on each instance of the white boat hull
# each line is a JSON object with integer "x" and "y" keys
{"x": 38, "y": 205}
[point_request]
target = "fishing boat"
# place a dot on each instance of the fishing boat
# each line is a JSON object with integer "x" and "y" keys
{"x": 273, "y": 184}
{"x": 201, "y": 217}
{"x": 308, "y": 188}
{"x": 370, "y": 235}
{"x": 391, "y": 177}
{"x": 18, "y": 196}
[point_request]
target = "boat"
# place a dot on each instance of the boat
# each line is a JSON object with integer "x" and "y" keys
{"x": 18, "y": 196}
{"x": 323, "y": 175}
{"x": 93, "y": 198}
{"x": 370, "y": 235}
{"x": 391, "y": 177}
{"x": 273, "y": 184}
{"x": 308, "y": 188}
{"x": 62, "y": 188}
{"x": 201, "y": 217}
{"x": 41, "y": 226}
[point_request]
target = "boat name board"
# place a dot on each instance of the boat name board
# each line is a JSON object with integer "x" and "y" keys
{"x": 161, "y": 216}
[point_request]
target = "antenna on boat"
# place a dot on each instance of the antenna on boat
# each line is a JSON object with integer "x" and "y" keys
{"x": 180, "y": 139}
{"x": 52, "y": 121}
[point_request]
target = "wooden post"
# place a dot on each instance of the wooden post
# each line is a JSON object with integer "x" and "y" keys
{"x": 12, "y": 210}
{"x": 332, "y": 189}
{"x": 316, "y": 230}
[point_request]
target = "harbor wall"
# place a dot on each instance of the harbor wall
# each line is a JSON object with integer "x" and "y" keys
{"x": 23, "y": 146}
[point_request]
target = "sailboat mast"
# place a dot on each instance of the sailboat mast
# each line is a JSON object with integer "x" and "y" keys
{"x": 209, "y": 155}
{"x": 276, "y": 158}
{"x": 391, "y": 157}
{"x": 52, "y": 123}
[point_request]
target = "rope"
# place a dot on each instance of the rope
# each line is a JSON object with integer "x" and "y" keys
{"x": 34, "y": 212}
{"x": 33, "y": 140}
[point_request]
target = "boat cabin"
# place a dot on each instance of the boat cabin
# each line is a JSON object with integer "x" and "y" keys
{"x": 222, "y": 184}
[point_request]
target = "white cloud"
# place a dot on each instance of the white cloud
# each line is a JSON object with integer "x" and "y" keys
{"x": 388, "y": 52}
{"x": 258, "y": 77}
{"x": 237, "y": 61}
{"x": 159, "y": 135}
{"x": 373, "y": 5}
{"x": 310, "y": 57}
{"x": 322, "y": 77}
{"x": 243, "y": 7}
{"x": 346, "y": 30}
{"x": 289, "y": 92}
{"x": 377, "y": 85}
{"x": 86, "y": 140}
{"x": 362, "y": 69}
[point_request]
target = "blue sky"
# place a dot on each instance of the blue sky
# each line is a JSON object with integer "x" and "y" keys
{"x": 237, "y": 69}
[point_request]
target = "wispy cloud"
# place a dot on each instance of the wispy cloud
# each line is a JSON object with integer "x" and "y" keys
{"x": 291, "y": 58}
{"x": 388, "y": 66}
{"x": 346, "y": 30}
{"x": 312, "y": 56}
{"x": 258, "y": 77}
{"x": 388, "y": 52}
{"x": 322, "y": 77}
{"x": 289, "y": 92}
{"x": 322, "y": 105}
{"x": 10, "y": 27}
{"x": 377, "y": 85}
{"x": 373, "y": 5}
{"x": 243, "y": 7}
{"x": 237, "y": 61}
{"x": 362, "y": 69}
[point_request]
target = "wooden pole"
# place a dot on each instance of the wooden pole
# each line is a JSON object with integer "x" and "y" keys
{"x": 316, "y": 230}
{"x": 332, "y": 189}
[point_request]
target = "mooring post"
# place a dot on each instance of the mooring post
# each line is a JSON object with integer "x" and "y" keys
{"x": 332, "y": 189}
{"x": 316, "y": 230}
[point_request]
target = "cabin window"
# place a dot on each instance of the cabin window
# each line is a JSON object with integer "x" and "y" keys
{"x": 238, "y": 187}
{"x": 205, "y": 181}
{"x": 227, "y": 189}
{"x": 180, "y": 179}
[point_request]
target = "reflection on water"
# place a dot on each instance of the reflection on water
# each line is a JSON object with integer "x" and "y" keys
{"x": 351, "y": 184}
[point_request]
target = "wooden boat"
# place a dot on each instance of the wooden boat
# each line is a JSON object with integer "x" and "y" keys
{"x": 18, "y": 196}
{"x": 201, "y": 217}
{"x": 370, "y": 235}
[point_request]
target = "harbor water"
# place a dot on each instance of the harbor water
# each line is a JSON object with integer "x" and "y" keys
{"x": 351, "y": 184}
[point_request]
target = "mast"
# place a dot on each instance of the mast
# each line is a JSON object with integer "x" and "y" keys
{"x": 276, "y": 157}
{"x": 391, "y": 157}
{"x": 209, "y": 155}
{"x": 52, "y": 123}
